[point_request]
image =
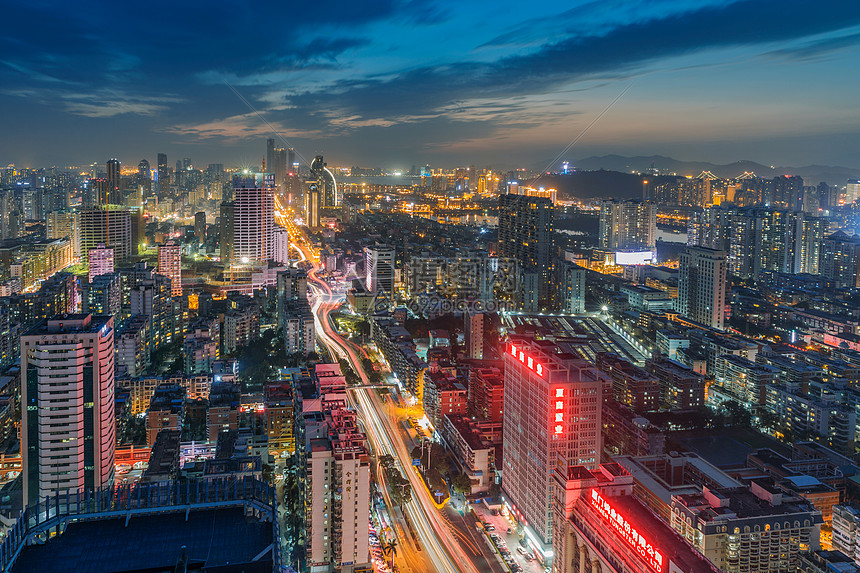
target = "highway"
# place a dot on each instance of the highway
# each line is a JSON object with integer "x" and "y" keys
{"x": 439, "y": 549}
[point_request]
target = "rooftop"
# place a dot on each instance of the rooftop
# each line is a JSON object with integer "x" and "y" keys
{"x": 154, "y": 544}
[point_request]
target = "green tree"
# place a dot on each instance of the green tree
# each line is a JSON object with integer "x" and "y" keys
{"x": 462, "y": 484}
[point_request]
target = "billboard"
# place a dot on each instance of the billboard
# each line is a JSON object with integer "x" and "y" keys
{"x": 634, "y": 257}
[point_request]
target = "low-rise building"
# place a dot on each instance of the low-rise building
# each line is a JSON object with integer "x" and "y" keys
{"x": 166, "y": 411}
{"x": 475, "y": 454}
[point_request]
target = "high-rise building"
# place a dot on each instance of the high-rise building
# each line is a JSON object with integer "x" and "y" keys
{"x": 552, "y": 417}
{"x": 336, "y": 472}
{"x": 200, "y": 226}
{"x": 170, "y": 265}
{"x": 111, "y": 226}
{"x": 840, "y": 259}
{"x": 114, "y": 182}
{"x": 62, "y": 224}
{"x": 787, "y": 193}
{"x": 253, "y": 217}
{"x": 163, "y": 173}
{"x": 67, "y": 392}
{"x": 226, "y": 229}
{"x": 852, "y": 191}
{"x": 312, "y": 204}
{"x": 95, "y": 192}
{"x": 379, "y": 262}
{"x": 100, "y": 261}
{"x": 326, "y": 183}
{"x": 627, "y": 225}
{"x": 570, "y": 287}
{"x": 525, "y": 235}
{"x": 702, "y": 285}
{"x": 474, "y": 334}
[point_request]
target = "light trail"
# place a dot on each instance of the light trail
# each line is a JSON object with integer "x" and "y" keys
{"x": 440, "y": 550}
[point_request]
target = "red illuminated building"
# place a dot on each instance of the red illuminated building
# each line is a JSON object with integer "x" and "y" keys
{"x": 600, "y": 527}
{"x": 552, "y": 405}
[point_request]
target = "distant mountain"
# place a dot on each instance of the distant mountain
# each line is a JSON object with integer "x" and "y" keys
{"x": 812, "y": 174}
{"x": 599, "y": 184}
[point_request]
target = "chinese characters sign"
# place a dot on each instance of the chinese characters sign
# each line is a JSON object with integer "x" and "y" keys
{"x": 627, "y": 532}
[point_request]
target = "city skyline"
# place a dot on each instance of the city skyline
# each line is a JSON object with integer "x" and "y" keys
{"x": 767, "y": 82}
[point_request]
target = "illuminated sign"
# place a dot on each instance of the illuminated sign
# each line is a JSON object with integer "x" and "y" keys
{"x": 634, "y": 258}
{"x": 529, "y": 361}
{"x": 559, "y": 411}
{"x": 627, "y": 532}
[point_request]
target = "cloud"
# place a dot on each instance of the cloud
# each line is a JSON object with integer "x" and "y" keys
{"x": 235, "y": 127}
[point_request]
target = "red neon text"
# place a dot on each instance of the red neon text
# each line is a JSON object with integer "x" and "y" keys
{"x": 529, "y": 361}
{"x": 635, "y": 539}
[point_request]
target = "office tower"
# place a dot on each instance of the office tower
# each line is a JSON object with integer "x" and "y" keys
{"x": 65, "y": 224}
{"x": 312, "y": 204}
{"x": 100, "y": 260}
{"x": 702, "y": 285}
{"x": 326, "y": 184}
{"x": 110, "y": 225}
{"x": 186, "y": 164}
{"x": 840, "y": 259}
{"x": 379, "y": 262}
{"x": 852, "y": 191}
{"x": 67, "y": 392}
{"x": 226, "y": 229}
{"x": 170, "y": 266}
{"x": 253, "y": 217}
{"x": 570, "y": 287}
{"x": 474, "y": 334}
{"x": 114, "y": 181}
{"x": 525, "y": 235}
{"x": 200, "y": 226}
{"x": 628, "y": 225}
{"x": 163, "y": 173}
{"x": 552, "y": 417}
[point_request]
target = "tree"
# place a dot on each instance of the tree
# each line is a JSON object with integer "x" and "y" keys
{"x": 462, "y": 484}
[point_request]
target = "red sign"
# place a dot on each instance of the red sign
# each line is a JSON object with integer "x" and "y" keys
{"x": 529, "y": 361}
{"x": 627, "y": 532}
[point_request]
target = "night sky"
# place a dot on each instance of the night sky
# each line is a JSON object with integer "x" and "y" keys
{"x": 396, "y": 83}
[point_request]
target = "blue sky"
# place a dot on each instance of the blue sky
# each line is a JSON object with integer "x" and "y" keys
{"x": 395, "y": 83}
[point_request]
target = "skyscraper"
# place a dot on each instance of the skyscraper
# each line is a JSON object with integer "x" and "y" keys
{"x": 525, "y": 235}
{"x": 67, "y": 392}
{"x": 170, "y": 265}
{"x": 326, "y": 183}
{"x": 200, "y": 226}
{"x": 114, "y": 180}
{"x": 253, "y": 217}
{"x": 226, "y": 227}
{"x": 552, "y": 418}
{"x": 702, "y": 285}
{"x": 626, "y": 225}
{"x": 312, "y": 204}
{"x": 163, "y": 173}
{"x": 100, "y": 261}
{"x": 379, "y": 262}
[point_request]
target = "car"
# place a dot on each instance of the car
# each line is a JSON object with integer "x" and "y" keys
{"x": 516, "y": 567}
{"x": 521, "y": 551}
{"x": 490, "y": 527}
